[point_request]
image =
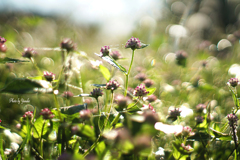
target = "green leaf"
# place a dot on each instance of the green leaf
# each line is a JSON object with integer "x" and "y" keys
{"x": 73, "y": 109}
{"x": 23, "y": 85}
{"x": 101, "y": 149}
{"x": 86, "y": 131}
{"x": 112, "y": 62}
{"x": 132, "y": 107}
{"x": 143, "y": 45}
{"x": 105, "y": 72}
{"x": 11, "y": 60}
{"x": 151, "y": 91}
{"x": 36, "y": 78}
{"x": 99, "y": 85}
{"x": 39, "y": 124}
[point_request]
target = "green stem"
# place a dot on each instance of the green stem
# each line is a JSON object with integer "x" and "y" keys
{"x": 41, "y": 143}
{"x": 105, "y": 123}
{"x": 35, "y": 65}
{"x": 126, "y": 84}
{"x": 93, "y": 146}
{"x": 57, "y": 106}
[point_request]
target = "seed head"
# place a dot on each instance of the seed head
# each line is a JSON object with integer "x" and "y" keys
{"x": 96, "y": 93}
{"x": 115, "y": 55}
{"x": 133, "y": 43}
{"x": 68, "y": 44}
{"x": 29, "y": 52}
{"x": 46, "y": 113}
{"x": 28, "y": 115}
{"x": 104, "y": 51}
{"x": 233, "y": 82}
{"x": 112, "y": 85}
{"x": 140, "y": 91}
{"x": 49, "y": 76}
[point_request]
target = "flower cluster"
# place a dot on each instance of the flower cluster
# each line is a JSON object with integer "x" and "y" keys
{"x": 3, "y": 47}
{"x": 133, "y": 43}
{"x": 96, "y": 93}
{"x": 104, "y": 51}
{"x": 233, "y": 82}
{"x": 232, "y": 118}
{"x": 174, "y": 113}
{"x": 115, "y": 55}
{"x": 46, "y": 113}
{"x": 85, "y": 114}
{"x": 68, "y": 44}
{"x": 29, "y": 52}
{"x": 49, "y": 76}
{"x": 140, "y": 91}
{"x": 112, "y": 85}
{"x": 200, "y": 107}
{"x": 67, "y": 94}
{"x": 28, "y": 115}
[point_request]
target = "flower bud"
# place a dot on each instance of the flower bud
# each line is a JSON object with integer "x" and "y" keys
{"x": 115, "y": 55}
{"x": 68, "y": 44}
{"x": 181, "y": 57}
{"x": 199, "y": 119}
{"x": 112, "y": 85}
{"x": 200, "y": 108}
{"x": 67, "y": 94}
{"x": 29, "y": 52}
{"x": 233, "y": 82}
{"x": 28, "y": 115}
{"x": 133, "y": 43}
{"x": 141, "y": 76}
{"x": 104, "y": 51}
{"x": 148, "y": 82}
{"x": 97, "y": 92}
{"x": 85, "y": 114}
{"x": 46, "y": 113}
{"x": 49, "y": 76}
{"x": 140, "y": 91}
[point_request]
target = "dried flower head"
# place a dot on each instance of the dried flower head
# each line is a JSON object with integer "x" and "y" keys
{"x": 148, "y": 82}
{"x": 46, "y": 113}
{"x": 115, "y": 55}
{"x": 200, "y": 107}
{"x": 104, "y": 51}
{"x": 49, "y": 76}
{"x": 28, "y": 115}
{"x": 97, "y": 92}
{"x": 29, "y": 52}
{"x": 85, "y": 114}
{"x": 140, "y": 91}
{"x": 233, "y": 82}
{"x": 112, "y": 85}
{"x": 133, "y": 43}
{"x": 141, "y": 76}
{"x": 67, "y": 94}
{"x": 68, "y": 44}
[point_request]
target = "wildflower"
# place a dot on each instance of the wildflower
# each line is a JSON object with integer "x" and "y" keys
{"x": 29, "y": 52}
{"x": 181, "y": 57}
{"x": 148, "y": 82}
{"x": 199, "y": 119}
{"x": 68, "y": 44}
{"x": 187, "y": 148}
{"x": 141, "y": 76}
{"x": 122, "y": 101}
{"x": 200, "y": 107}
{"x": 233, "y": 82}
{"x": 85, "y": 114}
{"x": 28, "y": 115}
{"x": 96, "y": 93}
{"x": 104, "y": 51}
{"x": 151, "y": 98}
{"x": 67, "y": 94}
{"x": 49, "y": 76}
{"x": 115, "y": 55}
{"x": 133, "y": 43}
{"x": 0, "y": 121}
{"x": 232, "y": 121}
{"x": 187, "y": 131}
{"x": 3, "y": 47}
{"x": 112, "y": 85}
{"x": 140, "y": 91}
{"x": 175, "y": 113}
{"x": 46, "y": 113}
